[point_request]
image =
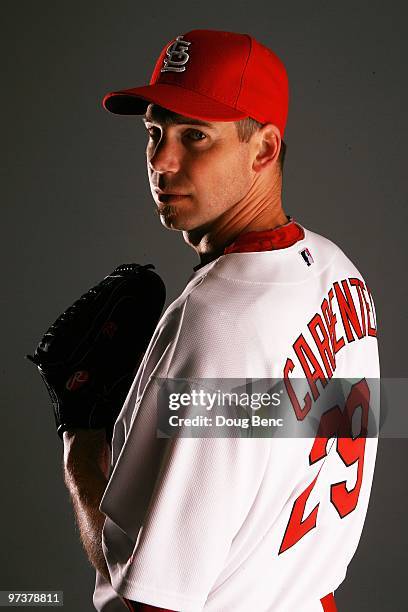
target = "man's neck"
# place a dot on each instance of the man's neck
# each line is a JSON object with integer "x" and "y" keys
{"x": 211, "y": 243}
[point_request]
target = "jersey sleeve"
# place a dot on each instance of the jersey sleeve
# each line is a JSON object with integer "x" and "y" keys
{"x": 203, "y": 494}
{"x": 180, "y": 501}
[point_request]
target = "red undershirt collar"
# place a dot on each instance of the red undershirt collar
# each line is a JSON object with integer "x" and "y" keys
{"x": 280, "y": 237}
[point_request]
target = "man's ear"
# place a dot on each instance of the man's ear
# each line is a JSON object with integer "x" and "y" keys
{"x": 267, "y": 142}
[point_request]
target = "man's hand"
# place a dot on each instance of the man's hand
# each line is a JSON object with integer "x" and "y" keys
{"x": 86, "y": 469}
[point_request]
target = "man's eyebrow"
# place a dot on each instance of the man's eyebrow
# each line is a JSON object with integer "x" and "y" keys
{"x": 176, "y": 120}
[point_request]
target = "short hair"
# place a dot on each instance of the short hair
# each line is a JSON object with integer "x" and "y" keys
{"x": 248, "y": 126}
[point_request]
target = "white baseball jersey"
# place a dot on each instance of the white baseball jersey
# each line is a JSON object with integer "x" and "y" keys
{"x": 246, "y": 523}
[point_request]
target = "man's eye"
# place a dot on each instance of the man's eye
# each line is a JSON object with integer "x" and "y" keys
{"x": 196, "y": 135}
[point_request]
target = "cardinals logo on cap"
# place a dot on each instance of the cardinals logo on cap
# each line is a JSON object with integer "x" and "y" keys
{"x": 177, "y": 56}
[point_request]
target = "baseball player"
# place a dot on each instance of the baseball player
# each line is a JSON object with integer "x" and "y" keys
{"x": 233, "y": 522}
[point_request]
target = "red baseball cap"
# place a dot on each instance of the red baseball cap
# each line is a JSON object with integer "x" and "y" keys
{"x": 213, "y": 76}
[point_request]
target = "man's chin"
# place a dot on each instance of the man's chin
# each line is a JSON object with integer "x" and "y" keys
{"x": 173, "y": 221}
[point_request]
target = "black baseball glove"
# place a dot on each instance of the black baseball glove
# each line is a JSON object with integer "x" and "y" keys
{"x": 88, "y": 358}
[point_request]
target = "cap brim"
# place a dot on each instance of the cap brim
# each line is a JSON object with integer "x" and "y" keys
{"x": 177, "y": 99}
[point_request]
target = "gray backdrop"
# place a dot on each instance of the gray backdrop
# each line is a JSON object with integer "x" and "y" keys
{"x": 76, "y": 204}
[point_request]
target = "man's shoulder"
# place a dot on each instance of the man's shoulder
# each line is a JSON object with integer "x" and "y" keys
{"x": 304, "y": 261}
{"x": 331, "y": 255}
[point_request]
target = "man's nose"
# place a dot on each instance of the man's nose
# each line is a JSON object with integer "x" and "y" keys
{"x": 165, "y": 157}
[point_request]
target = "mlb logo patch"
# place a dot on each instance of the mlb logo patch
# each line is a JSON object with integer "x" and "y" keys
{"x": 307, "y": 256}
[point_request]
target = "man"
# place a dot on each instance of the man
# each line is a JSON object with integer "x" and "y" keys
{"x": 223, "y": 522}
